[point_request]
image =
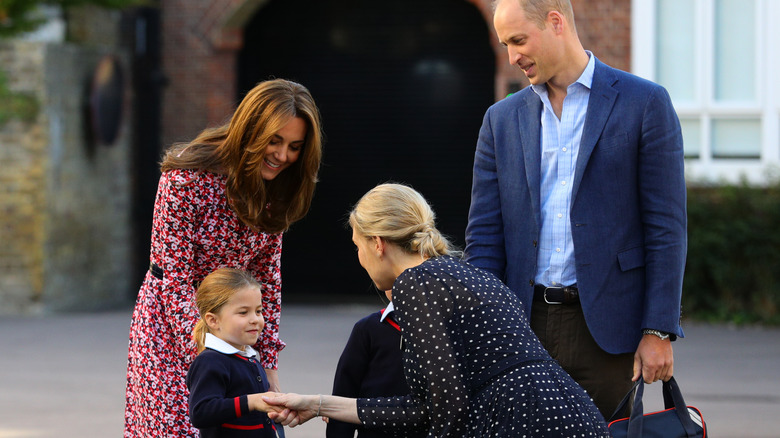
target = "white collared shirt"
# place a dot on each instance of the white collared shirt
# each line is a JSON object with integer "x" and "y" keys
{"x": 217, "y": 344}
{"x": 388, "y": 310}
{"x": 560, "y": 145}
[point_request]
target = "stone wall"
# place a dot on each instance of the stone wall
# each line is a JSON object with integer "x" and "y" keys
{"x": 64, "y": 202}
{"x": 23, "y": 165}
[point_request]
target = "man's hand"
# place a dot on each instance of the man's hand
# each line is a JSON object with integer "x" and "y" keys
{"x": 654, "y": 359}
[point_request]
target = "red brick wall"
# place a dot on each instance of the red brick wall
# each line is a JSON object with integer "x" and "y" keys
{"x": 604, "y": 27}
{"x": 199, "y": 62}
{"x": 200, "y": 40}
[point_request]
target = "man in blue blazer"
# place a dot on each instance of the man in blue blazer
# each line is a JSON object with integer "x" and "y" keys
{"x": 578, "y": 204}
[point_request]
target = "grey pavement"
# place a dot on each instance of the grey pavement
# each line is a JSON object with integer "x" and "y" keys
{"x": 64, "y": 375}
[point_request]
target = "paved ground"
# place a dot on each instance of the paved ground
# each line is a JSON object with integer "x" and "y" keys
{"x": 63, "y": 376}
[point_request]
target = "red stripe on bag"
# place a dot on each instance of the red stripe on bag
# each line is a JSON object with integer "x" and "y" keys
{"x": 694, "y": 412}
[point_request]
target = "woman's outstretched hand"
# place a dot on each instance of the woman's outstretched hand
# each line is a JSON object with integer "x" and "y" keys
{"x": 291, "y": 409}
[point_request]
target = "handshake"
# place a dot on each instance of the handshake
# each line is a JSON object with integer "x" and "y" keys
{"x": 293, "y": 409}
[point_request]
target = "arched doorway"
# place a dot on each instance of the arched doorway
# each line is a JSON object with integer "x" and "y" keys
{"x": 402, "y": 87}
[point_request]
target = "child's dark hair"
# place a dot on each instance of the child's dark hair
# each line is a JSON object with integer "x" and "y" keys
{"x": 214, "y": 291}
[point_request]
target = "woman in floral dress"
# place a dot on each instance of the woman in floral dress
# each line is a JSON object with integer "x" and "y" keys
{"x": 223, "y": 200}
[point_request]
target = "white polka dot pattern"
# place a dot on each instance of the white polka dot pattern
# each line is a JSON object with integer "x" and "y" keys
{"x": 473, "y": 364}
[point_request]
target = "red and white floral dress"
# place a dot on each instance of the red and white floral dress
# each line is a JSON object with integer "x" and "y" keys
{"x": 194, "y": 232}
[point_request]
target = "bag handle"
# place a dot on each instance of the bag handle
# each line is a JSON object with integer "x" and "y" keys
{"x": 671, "y": 389}
{"x": 672, "y": 399}
{"x": 623, "y": 403}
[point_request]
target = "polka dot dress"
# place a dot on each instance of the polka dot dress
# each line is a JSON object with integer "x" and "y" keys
{"x": 473, "y": 364}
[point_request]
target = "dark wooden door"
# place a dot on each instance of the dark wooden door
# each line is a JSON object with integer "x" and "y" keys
{"x": 402, "y": 86}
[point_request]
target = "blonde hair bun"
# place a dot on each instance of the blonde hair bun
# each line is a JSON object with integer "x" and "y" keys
{"x": 400, "y": 215}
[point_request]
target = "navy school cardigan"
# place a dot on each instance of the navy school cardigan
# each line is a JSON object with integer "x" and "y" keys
{"x": 370, "y": 366}
{"x": 219, "y": 384}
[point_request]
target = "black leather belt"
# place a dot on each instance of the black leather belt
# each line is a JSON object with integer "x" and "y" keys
{"x": 156, "y": 271}
{"x": 556, "y": 295}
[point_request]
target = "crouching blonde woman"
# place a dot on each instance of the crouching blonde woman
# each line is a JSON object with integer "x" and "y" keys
{"x": 473, "y": 364}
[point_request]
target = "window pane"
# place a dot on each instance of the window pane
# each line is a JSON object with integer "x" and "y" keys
{"x": 736, "y": 138}
{"x": 735, "y": 58}
{"x": 675, "y": 60}
{"x": 691, "y": 132}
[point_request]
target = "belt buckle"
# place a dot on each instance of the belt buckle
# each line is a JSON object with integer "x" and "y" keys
{"x": 545, "y": 296}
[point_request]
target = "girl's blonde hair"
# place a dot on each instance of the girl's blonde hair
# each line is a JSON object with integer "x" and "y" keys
{"x": 402, "y": 216}
{"x": 214, "y": 291}
{"x": 237, "y": 150}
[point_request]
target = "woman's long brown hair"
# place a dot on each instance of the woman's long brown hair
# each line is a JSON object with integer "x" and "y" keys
{"x": 237, "y": 150}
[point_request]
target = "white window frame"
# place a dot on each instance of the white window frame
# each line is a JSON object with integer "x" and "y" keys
{"x": 706, "y": 168}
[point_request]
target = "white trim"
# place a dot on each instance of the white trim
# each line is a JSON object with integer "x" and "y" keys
{"x": 766, "y": 105}
{"x": 771, "y": 105}
{"x": 702, "y": 38}
{"x": 706, "y": 57}
{"x": 727, "y": 170}
{"x": 761, "y": 48}
{"x": 643, "y": 38}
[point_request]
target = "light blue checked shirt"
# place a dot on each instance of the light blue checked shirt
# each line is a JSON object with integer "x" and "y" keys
{"x": 560, "y": 146}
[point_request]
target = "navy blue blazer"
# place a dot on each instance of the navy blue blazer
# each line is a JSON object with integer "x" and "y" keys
{"x": 628, "y": 214}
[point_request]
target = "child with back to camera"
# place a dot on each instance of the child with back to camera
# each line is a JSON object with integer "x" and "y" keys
{"x": 371, "y": 366}
{"x": 226, "y": 380}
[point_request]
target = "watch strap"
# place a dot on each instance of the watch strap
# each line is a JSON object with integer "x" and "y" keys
{"x": 660, "y": 334}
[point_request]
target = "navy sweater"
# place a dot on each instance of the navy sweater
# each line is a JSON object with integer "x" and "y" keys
{"x": 370, "y": 366}
{"x": 219, "y": 384}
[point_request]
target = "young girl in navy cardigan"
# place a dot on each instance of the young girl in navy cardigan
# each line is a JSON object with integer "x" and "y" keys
{"x": 226, "y": 380}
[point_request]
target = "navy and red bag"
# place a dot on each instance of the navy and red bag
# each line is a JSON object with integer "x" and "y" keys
{"x": 677, "y": 420}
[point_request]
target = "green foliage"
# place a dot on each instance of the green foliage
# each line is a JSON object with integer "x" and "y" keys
{"x": 16, "y": 16}
{"x": 733, "y": 268}
{"x": 23, "y": 106}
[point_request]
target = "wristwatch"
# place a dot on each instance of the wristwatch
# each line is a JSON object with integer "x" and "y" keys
{"x": 658, "y": 333}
